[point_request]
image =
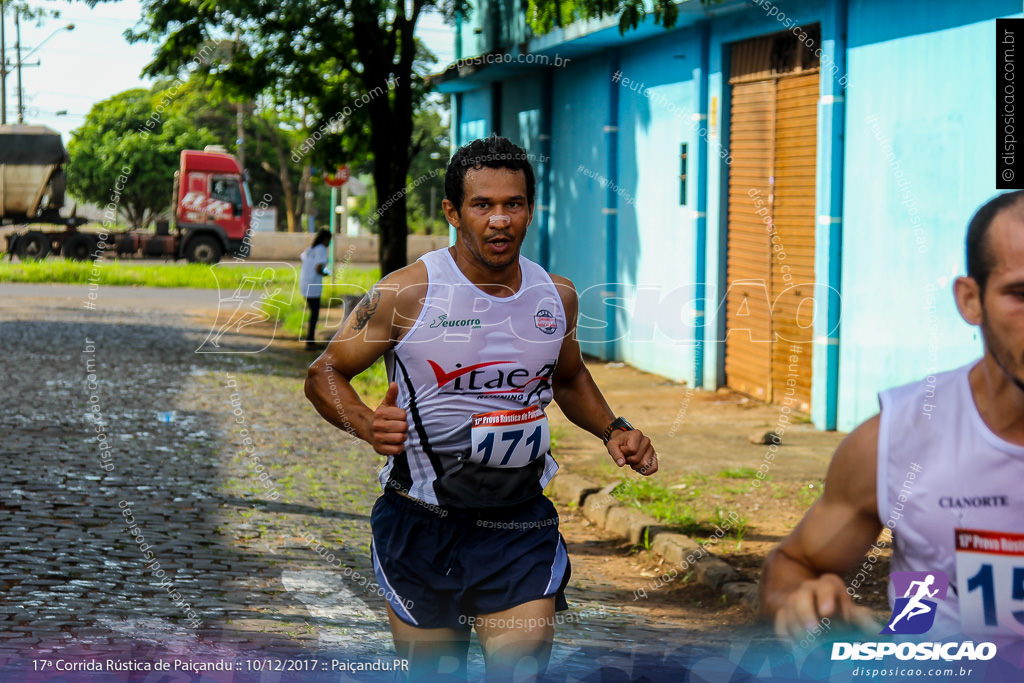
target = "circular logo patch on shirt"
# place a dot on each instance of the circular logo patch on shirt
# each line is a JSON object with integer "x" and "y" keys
{"x": 546, "y": 322}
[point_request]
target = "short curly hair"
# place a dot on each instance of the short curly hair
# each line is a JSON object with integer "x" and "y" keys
{"x": 489, "y": 152}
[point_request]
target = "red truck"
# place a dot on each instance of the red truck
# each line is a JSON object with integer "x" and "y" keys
{"x": 212, "y": 205}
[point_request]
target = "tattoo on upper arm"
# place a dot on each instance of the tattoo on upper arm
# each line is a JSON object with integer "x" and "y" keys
{"x": 366, "y": 308}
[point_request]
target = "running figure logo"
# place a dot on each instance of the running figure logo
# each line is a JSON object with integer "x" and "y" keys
{"x": 254, "y": 300}
{"x": 914, "y": 612}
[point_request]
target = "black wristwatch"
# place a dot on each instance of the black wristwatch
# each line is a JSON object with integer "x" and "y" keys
{"x": 616, "y": 424}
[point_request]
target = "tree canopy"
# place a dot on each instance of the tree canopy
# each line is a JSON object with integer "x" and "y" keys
{"x": 138, "y": 134}
{"x": 350, "y": 71}
{"x": 545, "y": 15}
{"x": 348, "y": 74}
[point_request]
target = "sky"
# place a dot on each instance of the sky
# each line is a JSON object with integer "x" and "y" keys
{"x": 93, "y": 61}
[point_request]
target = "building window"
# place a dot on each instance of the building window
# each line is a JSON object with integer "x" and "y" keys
{"x": 682, "y": 174}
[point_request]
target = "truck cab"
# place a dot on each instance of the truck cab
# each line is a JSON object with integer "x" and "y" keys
{"x": 213, "y": 205}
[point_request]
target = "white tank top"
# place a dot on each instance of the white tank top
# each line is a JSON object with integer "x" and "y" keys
{"x": 474, "y": 376}
{"x": 964, "y": 478}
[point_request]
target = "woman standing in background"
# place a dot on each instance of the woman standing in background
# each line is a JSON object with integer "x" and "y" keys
{"x": 314, "y": 267}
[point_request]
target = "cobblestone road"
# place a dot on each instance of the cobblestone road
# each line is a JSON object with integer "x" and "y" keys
{"x": 158, "y": 504}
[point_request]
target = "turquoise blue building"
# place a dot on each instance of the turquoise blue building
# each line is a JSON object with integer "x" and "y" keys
{"x": 770, "y": 196}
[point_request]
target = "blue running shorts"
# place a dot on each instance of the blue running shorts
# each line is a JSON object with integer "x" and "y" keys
{"x": 442, "y": 565}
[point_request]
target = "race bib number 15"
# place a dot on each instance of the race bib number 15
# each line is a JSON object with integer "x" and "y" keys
{"x": 510, "y": 438}
{"x": 990, "y": 581}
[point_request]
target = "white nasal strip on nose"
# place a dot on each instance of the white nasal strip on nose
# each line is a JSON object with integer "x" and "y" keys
{"x": 499, "y": 219}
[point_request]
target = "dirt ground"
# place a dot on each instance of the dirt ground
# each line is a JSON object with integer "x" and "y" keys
{"x": 241, "y": 557}
{"x": 607, "y": 569}
{"x": 695, "y": 432}
{"x": 698, "y": 435}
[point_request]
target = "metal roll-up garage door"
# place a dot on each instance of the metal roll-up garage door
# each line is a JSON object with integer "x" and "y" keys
{"x": 770, "y": 252}
{"x": 748, "y": 318}
{"x": 793, "y": 251}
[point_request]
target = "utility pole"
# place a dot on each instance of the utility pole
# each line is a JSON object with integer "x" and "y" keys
{"x": 433, "y": 208}
{"x": 19, "y": 62}
{"x": 240, "y": 128}
{"x": 240, "y": 117}
{"x": 344, "y": 210}
{"x": 17, "y": 50}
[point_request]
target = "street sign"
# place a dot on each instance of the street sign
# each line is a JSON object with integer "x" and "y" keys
{"x": 338, "y": 178}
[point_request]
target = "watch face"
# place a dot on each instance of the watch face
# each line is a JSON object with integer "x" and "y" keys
{"x": 617, "y": 423}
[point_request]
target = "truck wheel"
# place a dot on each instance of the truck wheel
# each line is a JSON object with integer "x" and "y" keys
{"x": 203, "y": 249}
{"x": 78, "y": 247}
{"x": 125, "y": 245}
{"x": 33, "y": 245}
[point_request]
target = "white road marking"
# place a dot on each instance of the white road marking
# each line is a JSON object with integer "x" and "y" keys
{"x": 347, "y": 623}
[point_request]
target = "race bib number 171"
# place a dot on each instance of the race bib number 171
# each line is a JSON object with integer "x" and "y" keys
{"x": 510, "y": 438}
{"x": 990, "y": 581}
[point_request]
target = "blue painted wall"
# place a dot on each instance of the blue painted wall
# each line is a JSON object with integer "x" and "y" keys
{"x": 725, "y": 31}
{"x": 919, "y": 143}
{"x": 520, "y": 122}
{"x": 580, "y": 111}
{"x": 475, "y": 115}
{"x": 490, "y": 25}
{"x": 656, "y": 260}
{"x": 916, "y": 138}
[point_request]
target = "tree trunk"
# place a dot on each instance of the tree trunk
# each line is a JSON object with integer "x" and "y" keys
{"x": 283, "y": 174}
{"x": 305, "y": 187}
{"x": 134, "y": 215}
{"x": 391, "y": 141}
{"x": 393, "y": 225}
{"x": 390, "y": 116}
{"x": 289, "y": 202}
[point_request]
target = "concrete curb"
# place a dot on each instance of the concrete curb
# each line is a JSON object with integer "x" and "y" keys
{"x": 680, "y": 550}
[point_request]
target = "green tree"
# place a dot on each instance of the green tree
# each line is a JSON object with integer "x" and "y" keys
{"x": 426, "y": 171}
{"x": 353, "y": 68}
{"x": 545, "y": 15}
{"x": 138, "y": 134}
{"x": 274, "y": 137}
{"x": 424, "y": 187}
{"x": 269, "y": 138}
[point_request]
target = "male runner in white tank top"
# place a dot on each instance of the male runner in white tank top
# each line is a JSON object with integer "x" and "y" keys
{"x": 941, "y": 466}
{"x": 477, "y": 341}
